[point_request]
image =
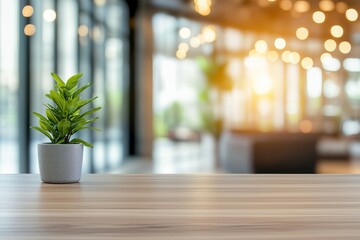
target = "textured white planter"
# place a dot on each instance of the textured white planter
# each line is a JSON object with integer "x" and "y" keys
{"x": 60, "y": 163}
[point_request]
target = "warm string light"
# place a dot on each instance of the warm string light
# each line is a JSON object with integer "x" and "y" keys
{"x": 318, "y": 17}
{"x": 49, "y": 15}
{"x": 280, "y": 43}
{"x": 302, "y": 33}
{"x": 27, "y": 11}
{"x": 203, "y": 7}
{"x": 207, "y": 35}
{"x": 337, "y": 31}
{"x": 261, "y": 47}
{"x": 184, "y": 33}
{"x": 326, "y": 5}
{"x": 29, "y": 30}
{"x": 301, "y": 6}
{"x": 351, "y": 14}
{"x": 330, "y": 45}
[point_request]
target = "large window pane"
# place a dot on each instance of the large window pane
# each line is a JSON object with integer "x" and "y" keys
{"x": 9, "y": 85}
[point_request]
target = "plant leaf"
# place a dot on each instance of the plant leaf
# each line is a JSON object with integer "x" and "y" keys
{"x": 56, "y": 97}
{"x": 84, "y": 102}
{"x": 60, "y": 141}
{"x": 64, "y": 126}
{"x": 89, "y": 128}
{"x": 73, "y": 81}
{"x": 71, "y": 105}
{"x": 43, "y": 125}
{"x": 77, "y": 92}
{"x": 78, "y": 140}
{"x": 41, "y": 117}
{"x": 58, "y": 80}
{"x": 43, "y": 132}
{"x": 51, "y": 116}
{"x": 90, "y": 112}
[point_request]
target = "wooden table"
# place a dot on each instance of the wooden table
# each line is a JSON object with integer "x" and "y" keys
{"x": 181, "y": 207}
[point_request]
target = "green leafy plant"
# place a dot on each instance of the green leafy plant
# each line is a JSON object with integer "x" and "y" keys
{"x": 64, "y": 118}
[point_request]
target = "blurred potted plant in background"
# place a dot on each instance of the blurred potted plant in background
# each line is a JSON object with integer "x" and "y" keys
{"x": 217, "y": 83}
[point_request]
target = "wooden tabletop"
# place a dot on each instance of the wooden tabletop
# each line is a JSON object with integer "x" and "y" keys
{"x": 181, "y": 207}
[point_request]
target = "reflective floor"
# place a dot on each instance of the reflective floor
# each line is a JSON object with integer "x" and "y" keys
{"x": 197, "y": 157}
{"x": 176, "y": 157}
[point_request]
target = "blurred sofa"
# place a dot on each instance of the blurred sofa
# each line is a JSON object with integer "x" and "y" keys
{"x": 251, "y": 152}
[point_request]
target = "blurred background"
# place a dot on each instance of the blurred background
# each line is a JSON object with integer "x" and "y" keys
{"x": 189, "y": 86}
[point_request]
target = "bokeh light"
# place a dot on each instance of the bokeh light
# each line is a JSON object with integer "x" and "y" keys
{"x": 29, "y": 30}
{"x": 330, "y": 45}
{"x": 83, "y": 30}
{"x": 326, "y": 5}
{"x": 302, "y": 33}
{"x": 337, "y": 31}
{"x": 27, "y": 11}
{"x": 184, "y": 32}
{"x": 307, "y": 63}
{"x": 351, "y": 14}
{"x": 261, "y": 46}
{"x": 285, "y": 5}
{"x": 318, "y": 17}
{"x": 280, "y": 43}
{"x": 209, "y": 34}
{"x": 325, "y": 58}
{"x": 301, "y": 6}
{"x": 341, "y": 7}
{"x": 49, "y": 15}
{"x": 345, "y": 47}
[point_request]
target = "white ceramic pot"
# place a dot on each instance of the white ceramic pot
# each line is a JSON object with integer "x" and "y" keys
{"x": 60, "y": 163}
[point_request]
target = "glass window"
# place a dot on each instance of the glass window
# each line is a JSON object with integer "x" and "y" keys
{"x": 9, "y": 85}
{"x": 65, "y": 37}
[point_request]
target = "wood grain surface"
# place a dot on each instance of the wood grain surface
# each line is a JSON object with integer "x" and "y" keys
{"x": 181, "y": 207}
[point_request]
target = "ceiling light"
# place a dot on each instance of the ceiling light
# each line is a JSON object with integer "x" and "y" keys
{"x": 351, "y": 14}
{"x": 330, "y": 45}
{"x": 302, "y": 33}
{"x": 307, "y": 63}
{"x": 301, "y": 6}
{"x": 294, "y": 57}
{"x": 184, "y": 32}
{"x": 318, "y": 17}
{"x": 286, "y": 5}
{"x": 203, "y": 7}
{"x": 209, "y": 33}
{"x": 27, "y": 11}
{"x": 180, "y": 54}
{"x": 326, "y": 5}
{"x": 272, "y": 56}
{"x": 49, "y": 15}
{"x": 341, "y": 7}
{"x": 195, "y": 42}
{"x": 345, "y": 47}
{"x": 280, "y": 43}
{"x": 261, "y": 46}
{"x": 325, "y": 58}
{"x": 83, "y": 30}
{"x": 337, "y": 31}
{"x": 183, "y": 46}
{"x": 285, "y": 56}
{"x": 29, "y": 30}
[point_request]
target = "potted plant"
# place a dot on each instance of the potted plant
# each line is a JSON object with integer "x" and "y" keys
{"x": 60, "y": 160}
